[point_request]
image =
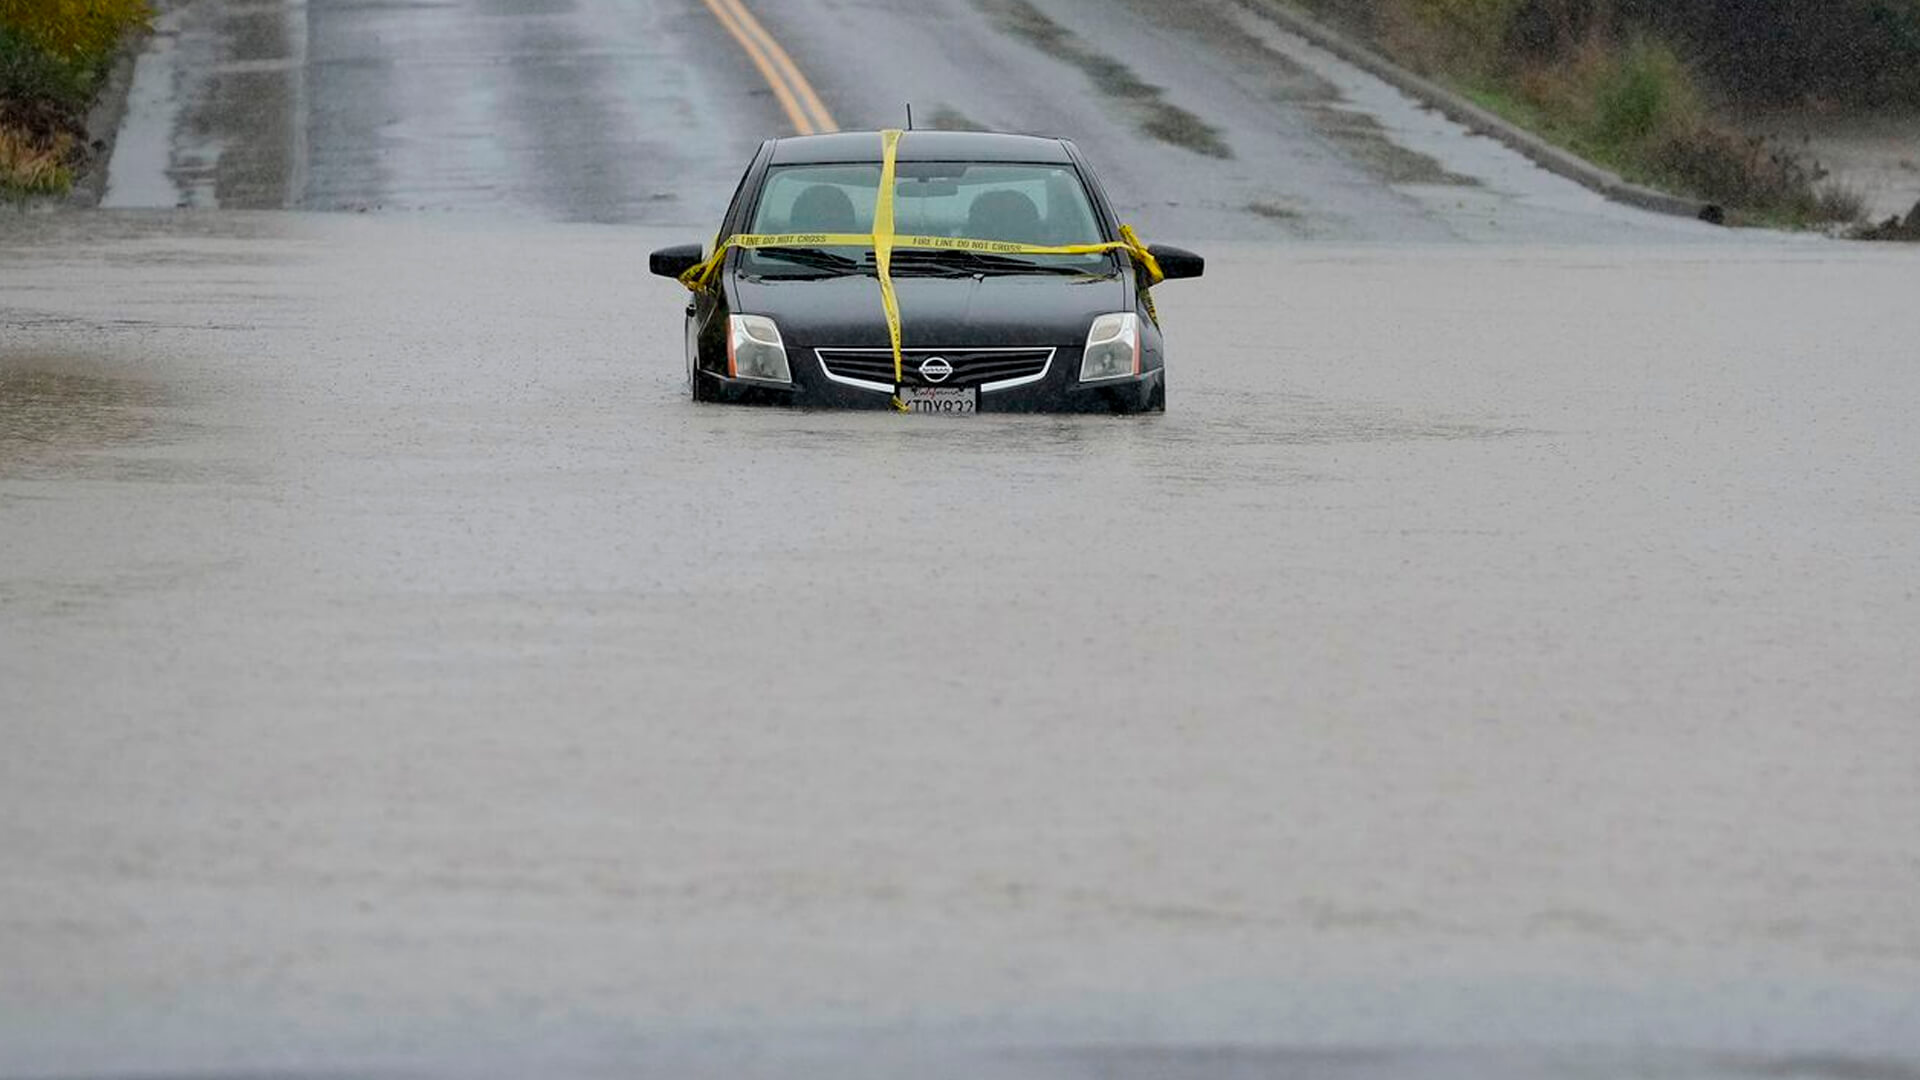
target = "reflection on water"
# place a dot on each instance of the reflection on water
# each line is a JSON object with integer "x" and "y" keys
{"x": 1212, "y": 421}
{"x": 1204, "y": 437}
{"x": 1244, "y": 445}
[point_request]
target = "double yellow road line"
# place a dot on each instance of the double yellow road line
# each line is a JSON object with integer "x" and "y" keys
{"x": 804, "y": 108}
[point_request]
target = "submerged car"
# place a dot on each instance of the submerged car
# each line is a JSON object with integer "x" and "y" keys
{"x": 1018, "y": 289}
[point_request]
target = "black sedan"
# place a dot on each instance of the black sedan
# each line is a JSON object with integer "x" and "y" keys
{"x": 1018, "y": 289}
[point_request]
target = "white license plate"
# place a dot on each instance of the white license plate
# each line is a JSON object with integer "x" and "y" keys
{"x": 938, "y": 399}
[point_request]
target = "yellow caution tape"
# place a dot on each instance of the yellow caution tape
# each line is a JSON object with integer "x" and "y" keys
{"x": 883, "y": 241}
{"x": 702, "y": 275}
{"x": 883, "y": 252}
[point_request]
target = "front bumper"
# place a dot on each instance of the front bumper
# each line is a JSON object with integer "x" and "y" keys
{"x": 1058, "y": 391}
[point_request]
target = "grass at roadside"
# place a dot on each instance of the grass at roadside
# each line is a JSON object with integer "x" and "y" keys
{"x": 1619, "y": 95}
{"x": 54, "y": 55}
{"x": 29, "y": 166}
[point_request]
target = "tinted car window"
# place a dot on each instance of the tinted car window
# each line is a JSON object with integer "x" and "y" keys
{"x": 1029, "y": 204}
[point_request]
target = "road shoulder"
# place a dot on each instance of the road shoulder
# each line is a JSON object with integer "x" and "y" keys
{"x": 1476, "y": 119}
{"x": 103, "y": 120}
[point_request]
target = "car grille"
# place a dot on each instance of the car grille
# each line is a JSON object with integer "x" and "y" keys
{"x": 971, "y": 367}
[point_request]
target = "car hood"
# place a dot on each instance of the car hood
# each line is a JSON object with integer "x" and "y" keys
{"x": 946, "y": 313}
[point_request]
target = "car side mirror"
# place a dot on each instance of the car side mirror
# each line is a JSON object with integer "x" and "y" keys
{"x": 676, "y": 260}
{"x": 1177, "y": 262}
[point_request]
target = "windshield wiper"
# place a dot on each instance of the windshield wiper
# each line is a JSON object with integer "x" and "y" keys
{"x": 981, "y": 262}
{"x": 819, "y": 260}
{"x": 916, "y": 268}
{"x": 942, "y": 261}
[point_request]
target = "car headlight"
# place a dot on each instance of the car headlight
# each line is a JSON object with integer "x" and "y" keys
{"x": 1113, "y": 348}
{"x": 755, "y": 351}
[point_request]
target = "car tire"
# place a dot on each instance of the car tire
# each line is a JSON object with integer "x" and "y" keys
{"x": 703, "y": 390}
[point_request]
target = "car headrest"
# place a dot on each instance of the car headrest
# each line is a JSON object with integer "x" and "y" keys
{"x": 822, "y": 208}
{"x": 1004, "y": 215}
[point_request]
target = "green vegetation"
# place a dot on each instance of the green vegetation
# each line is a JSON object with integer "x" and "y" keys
{"x": 53, "y": 56}
{"x": 1641, "y": 86}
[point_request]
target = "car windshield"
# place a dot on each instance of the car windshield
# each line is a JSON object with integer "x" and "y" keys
{"x": 1020, "y": 203}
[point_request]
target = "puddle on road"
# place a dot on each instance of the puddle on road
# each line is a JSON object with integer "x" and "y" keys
{"x": 1153, "y": 114}
{"x": 63, "y": 416}
{"x": 48, "y": 407}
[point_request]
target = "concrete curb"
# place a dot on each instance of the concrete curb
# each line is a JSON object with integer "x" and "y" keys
{"x": 1479, "y": 120}
{"x": 103, "y": 121}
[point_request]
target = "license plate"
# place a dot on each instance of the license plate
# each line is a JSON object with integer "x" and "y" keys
{"x": 938, "y": 399}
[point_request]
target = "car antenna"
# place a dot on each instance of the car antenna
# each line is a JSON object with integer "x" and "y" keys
{"x": 909, "y": 116}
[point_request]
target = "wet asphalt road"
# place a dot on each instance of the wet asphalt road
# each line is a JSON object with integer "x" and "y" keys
{"x": 1498, "y": 662}
{"x": 1207, "y": 121}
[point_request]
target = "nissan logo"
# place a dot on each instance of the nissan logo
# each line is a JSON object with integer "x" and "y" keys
{"x": 935, "y": 369}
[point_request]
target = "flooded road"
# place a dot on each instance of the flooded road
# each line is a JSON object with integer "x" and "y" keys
{"x": 1497, "y": 662}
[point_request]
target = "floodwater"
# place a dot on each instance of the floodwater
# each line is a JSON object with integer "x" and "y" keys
{"x": 1498, "y": 662}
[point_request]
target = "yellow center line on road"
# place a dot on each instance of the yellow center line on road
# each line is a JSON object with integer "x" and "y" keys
{"x": 802, "y": 89}
{"x": 803, "y": 106}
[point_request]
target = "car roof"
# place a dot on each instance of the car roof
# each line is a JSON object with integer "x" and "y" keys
{"x": 864, "y": 146}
